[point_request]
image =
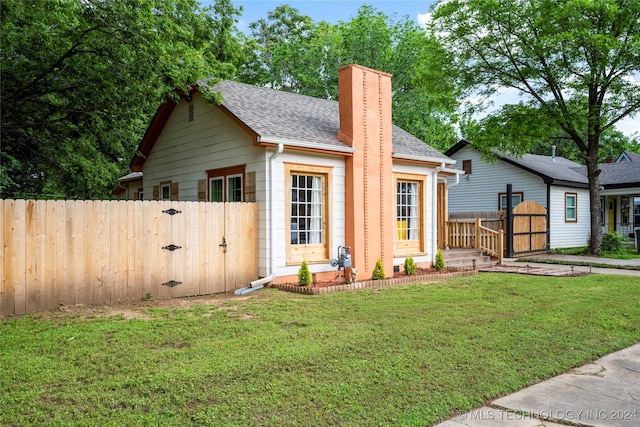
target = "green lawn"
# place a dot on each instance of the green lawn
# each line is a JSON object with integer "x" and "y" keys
{"x": 411, "y": 355}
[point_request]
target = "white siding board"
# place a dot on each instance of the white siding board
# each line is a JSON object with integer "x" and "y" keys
{"x": 479, "y": 191}
{"x": 568, "y": 234}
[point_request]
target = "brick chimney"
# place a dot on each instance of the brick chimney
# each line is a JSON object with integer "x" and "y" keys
{"x": 365, "y": 124}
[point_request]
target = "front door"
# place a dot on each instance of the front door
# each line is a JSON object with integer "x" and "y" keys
{"x": 612, "y": 215}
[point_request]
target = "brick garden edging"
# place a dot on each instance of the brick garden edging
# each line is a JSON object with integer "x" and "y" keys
{"x": 370, "y": 284}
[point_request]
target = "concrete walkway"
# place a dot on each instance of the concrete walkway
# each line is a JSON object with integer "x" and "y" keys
{"x": 604, "y": 393}
{"x": 562, "y": 264}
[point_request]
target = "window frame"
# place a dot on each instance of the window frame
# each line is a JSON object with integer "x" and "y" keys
{"x": 467, "y": 166}
{"x": 315, "y": 252}
{"x": 224, "y": 174}
{"x": 163, "y": 186}
{"x": 568, "y": 195}
{"x": 515, "y": 193}
{"x": 414, "y": 246}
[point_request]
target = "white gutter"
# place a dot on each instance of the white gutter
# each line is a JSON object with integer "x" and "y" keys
{"x": 306, "y": 144}
{"x": 439, "y": 160}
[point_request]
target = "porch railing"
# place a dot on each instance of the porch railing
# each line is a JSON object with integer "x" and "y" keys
{"x": 472, "y": 234}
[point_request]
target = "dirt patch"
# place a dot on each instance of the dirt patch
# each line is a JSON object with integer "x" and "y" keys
{"x": 137, "y": 309}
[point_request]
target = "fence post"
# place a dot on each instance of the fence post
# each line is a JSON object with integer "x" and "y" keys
{"x": 501, "y": 247}
{"x": 509, "y": 221}
{"x": 478, "y": 233}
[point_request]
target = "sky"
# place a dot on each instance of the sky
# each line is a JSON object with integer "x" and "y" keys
{"x": 334, "y": 11}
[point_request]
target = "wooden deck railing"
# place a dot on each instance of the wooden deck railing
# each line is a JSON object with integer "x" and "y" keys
{"x": 472, "y": 234}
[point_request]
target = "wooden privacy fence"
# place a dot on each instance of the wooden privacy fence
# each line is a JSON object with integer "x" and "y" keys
{"x": 93, "y": 252}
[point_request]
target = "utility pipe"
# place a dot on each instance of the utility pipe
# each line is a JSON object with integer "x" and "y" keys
{"x": 434, "y": 213}
{"x": 259, "y": 283}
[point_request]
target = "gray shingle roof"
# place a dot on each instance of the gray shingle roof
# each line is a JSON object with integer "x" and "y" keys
{"x": 558, "y": 169}
{"x": 290, "y": 116}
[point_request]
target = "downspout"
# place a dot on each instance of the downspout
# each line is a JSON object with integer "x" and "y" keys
{"x": 258, "y": 284}
{"x": 434, "y": 214}
{"x": 272, "y": 258}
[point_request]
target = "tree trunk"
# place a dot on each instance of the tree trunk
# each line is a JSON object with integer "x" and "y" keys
{"x": 593, "y": 173}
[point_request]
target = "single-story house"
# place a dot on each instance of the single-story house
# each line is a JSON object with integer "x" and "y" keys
{"x": 129, "y": 187}
{"x": 324, "y": 174}
{"x": 558, "y": 184}
{"x": 620, "y": 194}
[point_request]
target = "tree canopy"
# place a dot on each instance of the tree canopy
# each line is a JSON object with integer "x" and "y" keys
{"x": 575, "y": 64}
{"x": 81, "y": 79}
{"x": 296, "y": 54}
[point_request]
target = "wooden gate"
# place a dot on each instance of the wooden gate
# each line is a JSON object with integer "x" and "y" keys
{"x": 67, "y": 252}
{"x": 530, "y": 229}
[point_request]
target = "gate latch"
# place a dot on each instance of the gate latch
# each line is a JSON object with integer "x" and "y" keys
{"x": 224, "y": 244}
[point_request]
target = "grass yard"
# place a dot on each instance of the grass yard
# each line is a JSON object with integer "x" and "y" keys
{"x": 412, "y": 355}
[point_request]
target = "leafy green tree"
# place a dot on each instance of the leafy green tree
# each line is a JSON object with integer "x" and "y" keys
{"x": 574, "y": 63}
{"x": 81, "y": 79}
{"x": 295, "y": 54}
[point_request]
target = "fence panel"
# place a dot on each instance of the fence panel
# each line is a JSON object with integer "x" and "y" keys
{"x": 93, "y": 252}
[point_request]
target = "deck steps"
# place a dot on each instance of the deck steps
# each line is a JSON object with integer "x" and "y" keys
{"x": 463, "y": 259}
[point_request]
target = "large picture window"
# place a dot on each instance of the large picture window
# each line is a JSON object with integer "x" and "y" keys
{"x": 308, "y": 203}
{"x": 409, "y": 214}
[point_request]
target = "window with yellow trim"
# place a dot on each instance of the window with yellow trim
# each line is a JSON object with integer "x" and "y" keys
{"x": 409, "y": 213}
{"x": 308, "y": 207}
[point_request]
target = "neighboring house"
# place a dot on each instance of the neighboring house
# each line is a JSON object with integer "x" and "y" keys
{"x": 558, "y": 184}
{"x": 129, "y": 187}
{"x": 324, "y": 174}
{"x": 620, "y": 196}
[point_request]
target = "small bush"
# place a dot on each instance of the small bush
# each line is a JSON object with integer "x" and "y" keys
{"x": 304, "y": 275}
{"x": 611, "y": 242}
{"x": 409, "y": 266}
{"x": 439, "y": 261}
{"x": 378, "y": 271}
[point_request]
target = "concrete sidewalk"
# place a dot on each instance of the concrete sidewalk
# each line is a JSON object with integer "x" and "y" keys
{"x": 604, "y": 393}
{"x": 562, "y": 264}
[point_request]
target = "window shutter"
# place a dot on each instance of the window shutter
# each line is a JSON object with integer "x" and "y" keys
{"x": 156, "y": 192}
{"x": 174, "y": 191}
{"x": 202, "y": 190}
{"x": 250, "y": 187}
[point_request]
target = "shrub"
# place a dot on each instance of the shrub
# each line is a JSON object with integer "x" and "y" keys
{"x": 439, "y": 261}
{"x": 611, "y": 242}
{"x": 304, "y": 275}
{"x": 378, "y": 271}
{"x": 409, "y": 266}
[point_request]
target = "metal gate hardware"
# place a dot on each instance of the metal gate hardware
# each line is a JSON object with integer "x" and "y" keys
{"x": 172, "y": 211}
{"x": 171, "y": 247}
{"x": 224, "y": 244}
{"x": 171, "y": 283}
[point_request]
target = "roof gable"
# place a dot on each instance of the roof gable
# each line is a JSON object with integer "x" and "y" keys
{"x": 289, "y": 118}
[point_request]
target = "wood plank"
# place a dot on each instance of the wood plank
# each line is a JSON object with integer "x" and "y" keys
{"x": 178, "y": 257}
{"x": 164, "y": 256}
{"x": 32, "y": 246}
{"x": 20, "y": 256}
{"x": 191, "y": 249}
{"x": 59, "y": 256}
{"x": 102, "y": 290}
{"x": 90, "y": 251}
{"x": 76, "y": 218}
{"x": 8, "y": 291}
{"x": 3, "y": 245}
{"x": 150, "y": 248}
{"x": 138, "y": 250}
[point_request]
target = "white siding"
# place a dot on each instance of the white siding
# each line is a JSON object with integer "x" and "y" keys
{"x": 185, "y": 150}
{"x": 337, "y": 207}
{"x": 479, "y": 191}
{"x": 428, "y": 213}
{"x": 568, "y": 234}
